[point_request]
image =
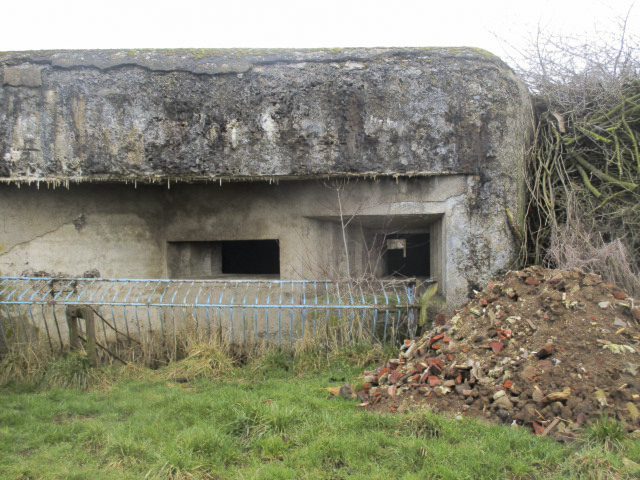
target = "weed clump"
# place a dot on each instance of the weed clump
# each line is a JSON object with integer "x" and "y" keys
{"x": 425, "y": 425}
{"x": 274, "y": 362}
{"x": 606, "y": 432}
{"x": 362, "y": 355}
{"x": 73, "y": 370}
{"x": 204, "y": 360}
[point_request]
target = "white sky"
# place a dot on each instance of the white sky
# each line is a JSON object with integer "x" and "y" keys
{"x": 79, "y": 24}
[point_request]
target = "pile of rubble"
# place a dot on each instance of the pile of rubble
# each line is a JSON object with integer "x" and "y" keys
{"x": 545, "y": 348}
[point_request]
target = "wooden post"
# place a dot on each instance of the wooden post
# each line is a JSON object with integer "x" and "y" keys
{"x": 88, "y": 316}
{"x": 73, "y": 313}
{"x": 72, "y": 321}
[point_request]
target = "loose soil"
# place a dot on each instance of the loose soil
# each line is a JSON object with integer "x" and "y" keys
{"x": 544, "y": 348}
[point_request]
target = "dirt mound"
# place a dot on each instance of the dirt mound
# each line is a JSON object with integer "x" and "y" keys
{"x": 549, "y": 349}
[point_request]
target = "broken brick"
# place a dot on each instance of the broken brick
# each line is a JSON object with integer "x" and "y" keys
{"x": 395, "y": 376}
{"x": 537, "y": 428}
{"x": 434, "y": 361}
{"x": 393, "y": 364}
{"x": 421, "y": 367}
{"x": 496, "y": 346}
{"x": 435, "y": 338}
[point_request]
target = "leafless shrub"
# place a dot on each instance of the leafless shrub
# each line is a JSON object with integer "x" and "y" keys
{"x": 584, "y": 168}
{"x": 573, "y": 245}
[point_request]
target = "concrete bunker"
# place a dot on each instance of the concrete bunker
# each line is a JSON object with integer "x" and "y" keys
{"x": 265, "y": 164}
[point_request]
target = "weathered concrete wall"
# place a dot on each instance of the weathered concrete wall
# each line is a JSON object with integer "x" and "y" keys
{"x": 117, "y": 229}
{"x": 123, "y": 231}
{"x": 205, "y": 114}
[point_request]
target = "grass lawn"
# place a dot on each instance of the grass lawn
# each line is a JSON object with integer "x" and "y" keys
{"x": 269, "y": 423}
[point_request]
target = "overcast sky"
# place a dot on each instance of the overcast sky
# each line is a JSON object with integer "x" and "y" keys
{"x": 489, "y": 24}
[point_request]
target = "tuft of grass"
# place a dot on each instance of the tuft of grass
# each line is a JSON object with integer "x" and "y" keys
{"x": 273, "y": 362}
{"x": 363, "y": 355}
{"x": 310, "y": 356}
{"x": 73, "y": 370}
{"x": 204, "y": 360}
{"x": 425, "y": 425}
{"x": 606, "y": 432}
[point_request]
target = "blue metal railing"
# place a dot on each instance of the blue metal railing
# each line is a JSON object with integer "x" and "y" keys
{"x": 239, "y": 310}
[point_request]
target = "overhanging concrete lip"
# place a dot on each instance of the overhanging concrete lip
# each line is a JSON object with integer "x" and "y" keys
{"x": 167, "y": 179}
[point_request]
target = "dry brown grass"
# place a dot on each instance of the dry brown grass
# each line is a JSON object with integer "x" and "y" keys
{"x": 25, "y": 363}
{"x": 574, "y": 245}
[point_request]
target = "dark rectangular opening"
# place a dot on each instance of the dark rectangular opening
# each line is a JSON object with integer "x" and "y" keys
{"x": 251, "y": 257}
{"x": 408, "y": 255}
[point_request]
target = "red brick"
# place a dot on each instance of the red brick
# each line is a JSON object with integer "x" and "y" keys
{"x": 421, "y": 367}
{"x": 395, "y": 376}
